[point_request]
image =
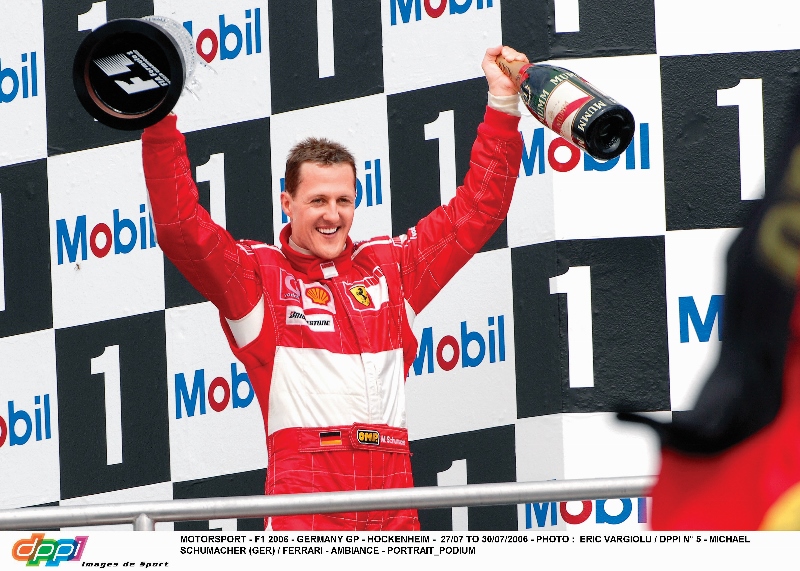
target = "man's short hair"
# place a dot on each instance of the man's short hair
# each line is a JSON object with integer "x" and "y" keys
{"x": 314, "y": 150}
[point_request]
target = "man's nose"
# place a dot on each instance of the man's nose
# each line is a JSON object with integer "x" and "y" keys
{"x": 331, "y": 211}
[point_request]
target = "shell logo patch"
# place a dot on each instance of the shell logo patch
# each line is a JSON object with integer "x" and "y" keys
{"x": 318, "y": 295}
{"x": 361, "y": 295}
{"x": 369, "y": 437}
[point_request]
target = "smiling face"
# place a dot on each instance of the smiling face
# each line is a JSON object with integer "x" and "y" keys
{"x": 322, "y": 208}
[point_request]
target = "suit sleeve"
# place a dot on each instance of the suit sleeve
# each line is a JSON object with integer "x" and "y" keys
{"x": 222, "y": 270}
{"x": 442, "y": 242}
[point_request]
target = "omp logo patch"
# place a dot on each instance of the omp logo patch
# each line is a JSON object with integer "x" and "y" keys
{"x": 368, "y": 437}
{"x": 315, "y": 322}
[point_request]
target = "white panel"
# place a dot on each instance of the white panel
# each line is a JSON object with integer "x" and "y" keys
{"x": 361, "y": 126}
{"x": 119, "y": 279}
{"x": 695, "y": 263}
{"x": 325, "y": 53}
{"x": 22, "y": 85}
{"x": 94, "y": 17}
{"x": 215, "y": 443}
{"x": 685, "y": 27}
{"x": 443, "y": 131}
{"x": 531, "y": 218}
{"x": 597, "y": 445}
{"x": 236, "y": 88}
{"x": 29, "y": 465}
{"x": 483, "y": 394}
{"x": 436, "y": 50}
{"x": 540, "y": 457}
{"x": 567, "y": 16}
{"x": 576, "y": 283}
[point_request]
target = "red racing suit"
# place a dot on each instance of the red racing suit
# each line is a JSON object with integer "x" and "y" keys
{"x": 330, "y": 358}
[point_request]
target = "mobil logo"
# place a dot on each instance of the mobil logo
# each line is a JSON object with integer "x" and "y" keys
{"x": 19, "y": 79}
{"x": 411, "y": 10}
{"x": 369, "y": 187}
{"x": 75, "y": 239}
{"x": 20, "y": 425}
{"x": 226, "y": 38}
{"x": 688, "y": 311}
{"x": 470, "y": 349}
{"x": 219, "y": 395}
{"x": 613, "y": 512}
{"x": 563, "y": 156}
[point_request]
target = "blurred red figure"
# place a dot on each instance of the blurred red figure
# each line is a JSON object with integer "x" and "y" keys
{"x": 733, "y": 462}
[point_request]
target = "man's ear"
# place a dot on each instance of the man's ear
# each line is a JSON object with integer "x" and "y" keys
{"x": 286, "y": 202}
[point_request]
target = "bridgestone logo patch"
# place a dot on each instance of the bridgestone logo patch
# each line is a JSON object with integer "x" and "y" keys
{"x": 315, "y": 322}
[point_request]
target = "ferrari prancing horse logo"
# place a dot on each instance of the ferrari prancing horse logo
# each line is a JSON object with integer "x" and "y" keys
{"x": 359, "y": 292}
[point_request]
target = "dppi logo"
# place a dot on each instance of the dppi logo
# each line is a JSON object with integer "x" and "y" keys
{"x": 52, "y": 552}
{"x": 198, "y": 396}
{"x": 373, "y": 195}
{"x": 124, "y": 237}
{"x": 533, "y": 154}
{"x": 39, "y": 424}
{"x": 405, "y": 7}
{"x": 26, "y": 79}
{"x": 496, "y": 348}
{"x": 541, "y": 513}
{"x": 208, "y": 42}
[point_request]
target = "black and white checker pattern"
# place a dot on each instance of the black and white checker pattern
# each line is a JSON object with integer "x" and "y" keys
{"x": 598, "y": 293}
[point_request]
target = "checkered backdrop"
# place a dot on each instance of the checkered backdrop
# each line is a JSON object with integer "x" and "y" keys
{"x": 601, "y": 291}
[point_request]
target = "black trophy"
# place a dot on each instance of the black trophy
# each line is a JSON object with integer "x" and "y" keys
{"x": 129, "y": 73}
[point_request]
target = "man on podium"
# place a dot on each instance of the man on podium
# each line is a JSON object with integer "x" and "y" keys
{"x": 323, "y": 325}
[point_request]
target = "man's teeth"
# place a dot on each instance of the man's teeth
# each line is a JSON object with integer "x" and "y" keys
{"x": 327, "y": 230}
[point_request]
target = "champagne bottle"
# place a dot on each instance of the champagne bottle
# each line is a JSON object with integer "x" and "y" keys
{"x": 572, "y": 107}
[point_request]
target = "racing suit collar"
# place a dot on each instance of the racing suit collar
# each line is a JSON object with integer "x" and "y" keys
{"x": 313, "y": 267}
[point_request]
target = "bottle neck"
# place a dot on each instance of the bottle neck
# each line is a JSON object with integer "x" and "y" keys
{"x": 515, "y": 70}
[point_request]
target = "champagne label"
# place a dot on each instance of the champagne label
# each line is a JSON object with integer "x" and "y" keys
{"x": 562, "y": 105}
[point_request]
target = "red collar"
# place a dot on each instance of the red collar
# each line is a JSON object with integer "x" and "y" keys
{"x": 312, "y": 266}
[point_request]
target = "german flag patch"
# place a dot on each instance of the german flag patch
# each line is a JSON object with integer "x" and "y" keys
{"x": 333, "y": 438}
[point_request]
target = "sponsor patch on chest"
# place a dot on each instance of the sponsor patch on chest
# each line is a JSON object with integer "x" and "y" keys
{"x": 370, "y": 293}
{"x": 362, "y": 295}
{"x": 314, "y": 321}
{"x": 290, "y": 287}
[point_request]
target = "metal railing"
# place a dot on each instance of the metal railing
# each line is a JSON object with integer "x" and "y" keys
{"x": 144, "y": 515}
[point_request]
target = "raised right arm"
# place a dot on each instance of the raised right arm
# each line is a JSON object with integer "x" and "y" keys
{"x": 223, "y": 271}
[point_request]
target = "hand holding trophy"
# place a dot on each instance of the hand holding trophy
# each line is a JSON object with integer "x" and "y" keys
{"x": 129, "y": 73}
